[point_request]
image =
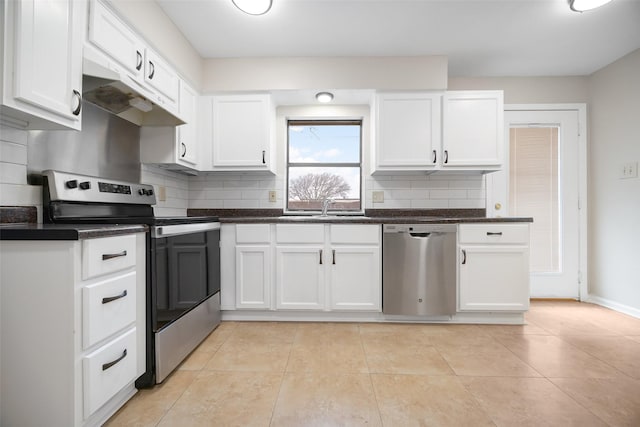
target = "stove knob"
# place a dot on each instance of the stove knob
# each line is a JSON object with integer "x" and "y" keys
{"x": 142, "y": 192}
{"x": 149, "y": 192}
{"x": 85, "y": 185}
{"x": 72, "y": 184}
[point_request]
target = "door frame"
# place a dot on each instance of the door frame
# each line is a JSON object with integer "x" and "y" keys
{"x": 581, "y": 109}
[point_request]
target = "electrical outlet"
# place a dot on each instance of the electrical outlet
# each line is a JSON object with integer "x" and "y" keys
{"x": 629, "y": 170}
{"x": 272, "y": 196}
{"x": 162, "y": 193}
{"x": 378, "y": 196}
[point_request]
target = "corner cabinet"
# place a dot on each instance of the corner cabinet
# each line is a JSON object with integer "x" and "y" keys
{"x": 73, "y": 329}
{"x": 243, "y": 133}
{"x": 493, "y": 267}
{"x": 42, "y": 63}
{"x": 438, "y": 131}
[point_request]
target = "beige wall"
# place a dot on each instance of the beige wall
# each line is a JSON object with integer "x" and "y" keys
{"x": 154, "y": 25}
{"x": 264, "y": 74}
{"x": 529, "y": 90}
{"x": 614, "y": 203}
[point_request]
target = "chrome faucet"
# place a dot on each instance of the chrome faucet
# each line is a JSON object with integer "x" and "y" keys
{"x": 325, "y": 206}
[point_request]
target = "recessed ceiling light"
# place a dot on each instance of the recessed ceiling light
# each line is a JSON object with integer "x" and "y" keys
{"x": 253, "y": 7}
{"x": 582, "y": 5}
{"x": 324, "y": 97}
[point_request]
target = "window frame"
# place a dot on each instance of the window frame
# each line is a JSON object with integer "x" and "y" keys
{"x": 325, "y": 122}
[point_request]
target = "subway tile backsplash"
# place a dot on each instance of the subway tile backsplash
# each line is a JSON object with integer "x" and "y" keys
{"x": 176, "y": 188}
{"x": 419, "y": 191}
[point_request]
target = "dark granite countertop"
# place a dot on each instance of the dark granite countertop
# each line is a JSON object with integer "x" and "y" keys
{"x": 30, "y": 231}
{"x": 371, "y": 216}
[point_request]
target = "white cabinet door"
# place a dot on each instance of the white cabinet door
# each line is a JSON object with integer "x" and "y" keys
{"x": 187, "y": 144}
{"x": 253, "y": 276}
{"x": 407, "y": 131}
{"x": 493, "y": 278}
{"x": 111, "y": 35}
{"x": 472, "y": 128}
{"x": 355, "y": 278}
{"x": 48, "y": 59}
{"x": 242, "y": 132}
{"x": 300, "y": 280}
{"x": 163, "y": 79}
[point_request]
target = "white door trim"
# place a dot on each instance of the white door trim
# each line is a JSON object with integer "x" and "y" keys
{"x": 582, "y": 181}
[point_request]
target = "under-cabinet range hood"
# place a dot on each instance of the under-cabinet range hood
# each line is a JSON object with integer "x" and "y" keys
{"x": 121, "y": 95}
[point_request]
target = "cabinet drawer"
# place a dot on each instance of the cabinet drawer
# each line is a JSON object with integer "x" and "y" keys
{"x": 102, "y": 256}
{"x": 253, "y": 233}
{"x": 359, "y": 234}
{"x": 300, "y": 233}
{"x": 494, "y": 233}
{"x": 107, "y": 370}
{"x": 108, "y": 307}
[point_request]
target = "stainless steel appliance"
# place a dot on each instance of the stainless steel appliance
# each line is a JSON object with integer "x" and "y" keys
{"x": 419, "y": 269}
{"x": 183, "y": 261}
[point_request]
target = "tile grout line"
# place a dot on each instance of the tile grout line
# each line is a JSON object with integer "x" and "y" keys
{"x": 369, "y": 374}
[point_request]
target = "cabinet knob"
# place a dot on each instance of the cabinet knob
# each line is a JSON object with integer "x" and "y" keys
{"x": 497, "y": 206}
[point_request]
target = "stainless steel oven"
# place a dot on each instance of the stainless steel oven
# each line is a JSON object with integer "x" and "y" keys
{"x": 183, "y": 261}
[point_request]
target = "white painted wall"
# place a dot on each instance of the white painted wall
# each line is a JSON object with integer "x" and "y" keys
{"x": 614, "y": 203}
{"x": 385, "y": 73}
{"x": 529, "y": 90}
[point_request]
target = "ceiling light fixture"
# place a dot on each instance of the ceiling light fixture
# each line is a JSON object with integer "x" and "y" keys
{"x": 253, "y": 7}
{"x": 324, "y": 97}
{"x": 582, "y": 5}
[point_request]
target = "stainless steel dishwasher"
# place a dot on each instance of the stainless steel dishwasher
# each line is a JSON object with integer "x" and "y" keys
{"x": 419, "y": 269}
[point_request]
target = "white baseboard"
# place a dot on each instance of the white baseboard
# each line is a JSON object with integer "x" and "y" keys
{"x": 631, "y": 311}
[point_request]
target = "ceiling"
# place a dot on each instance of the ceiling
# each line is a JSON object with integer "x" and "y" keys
{"x": 480, "y": 37}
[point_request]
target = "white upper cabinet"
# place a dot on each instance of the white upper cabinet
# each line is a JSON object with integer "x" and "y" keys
{"x": 472, "y": 128}
{"x": 432, "y": 131}
{"x": 407, "y": 135}
{"x": 187, "y": 144}
{"x": 243, "y": 133}
{"x": 163, "y": 79}
{"x": 42, "y": 63}
{"x": 175, "y": 148}
{"x": 114, "y": 38}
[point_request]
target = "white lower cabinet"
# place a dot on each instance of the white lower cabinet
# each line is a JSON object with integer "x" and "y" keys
{"x": 253, "y": 276}
{"x": 72, "y": 332}
{"x": 493, "y": 267}
{"x": 253, "y": 261}
{"x": 300, "y": 277}
{"x": 355, "y": 278}
{"x": 317, "y": 267}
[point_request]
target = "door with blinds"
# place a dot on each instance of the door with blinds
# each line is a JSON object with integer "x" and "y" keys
{"x": 541, "y": 180}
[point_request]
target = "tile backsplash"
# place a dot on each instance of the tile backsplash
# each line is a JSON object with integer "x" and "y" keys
{"x": 176, "y": 189}
{"x": 419, "y": 191}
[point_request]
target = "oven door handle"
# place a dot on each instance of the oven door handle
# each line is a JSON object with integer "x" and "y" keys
{"x": 159, "y": 232}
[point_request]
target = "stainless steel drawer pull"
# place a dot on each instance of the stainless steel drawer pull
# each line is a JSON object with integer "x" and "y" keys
{"x": 109, "y": 299}
{"x": 110, "y": 256}
{"x": 110, "y": 364}
{"x": 491, "y": 233}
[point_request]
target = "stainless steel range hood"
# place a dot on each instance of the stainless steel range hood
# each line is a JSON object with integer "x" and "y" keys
{"x": 121, "y": 95}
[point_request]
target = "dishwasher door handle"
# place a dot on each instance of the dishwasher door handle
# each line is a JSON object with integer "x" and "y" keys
{"x": 420, "y": 235}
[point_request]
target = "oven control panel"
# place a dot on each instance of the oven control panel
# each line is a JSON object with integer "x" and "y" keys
{"x": 63, "y": 186}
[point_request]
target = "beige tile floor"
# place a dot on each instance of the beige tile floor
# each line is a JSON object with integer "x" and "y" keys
{"x": 572, "y": 364}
